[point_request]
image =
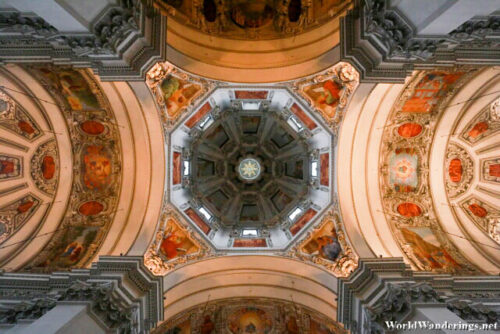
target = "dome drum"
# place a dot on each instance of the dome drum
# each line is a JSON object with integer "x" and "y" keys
{"x": 250, "y": 165}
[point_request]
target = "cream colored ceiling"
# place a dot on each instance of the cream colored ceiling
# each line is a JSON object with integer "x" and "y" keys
{"x": 275, "y": 50}
{"x": 370, "y": 204}
{"x": 77, "y": 143}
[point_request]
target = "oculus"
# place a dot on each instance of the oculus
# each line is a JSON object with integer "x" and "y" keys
{"x": 249, "y": 169}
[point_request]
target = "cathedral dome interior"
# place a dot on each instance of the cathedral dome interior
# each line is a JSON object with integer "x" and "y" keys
{"x": 237, "y": 166}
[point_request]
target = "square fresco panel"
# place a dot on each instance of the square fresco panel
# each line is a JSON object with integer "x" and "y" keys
{"x": 97, "y": 167}
{"x": 403, "y": 170}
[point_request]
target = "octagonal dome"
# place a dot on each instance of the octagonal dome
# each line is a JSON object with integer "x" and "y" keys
{"x": 250, "y": 167}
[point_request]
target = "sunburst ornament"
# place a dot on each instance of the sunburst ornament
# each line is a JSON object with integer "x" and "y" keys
{"x": 249, "y": 169}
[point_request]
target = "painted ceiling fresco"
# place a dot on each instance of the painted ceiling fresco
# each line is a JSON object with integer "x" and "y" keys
{"x": 174, "y": 243}
{"x": 329, "y": 92}
{"x": 245, "y": 19}
{"x": 405, "y": 191}
{"x": 220, "y": 125}
{"x": 256, "y": 316}
{"x": 460, "y": 166}
{"x": 96, "y": 169}
{"x": 18, "y": 165}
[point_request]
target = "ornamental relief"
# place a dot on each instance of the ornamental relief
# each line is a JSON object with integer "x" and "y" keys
{"x": 45, "y": 167}
{"x": 174, "y": 244}
{"x": 326, "y": 245}
{"x": 15, "y": 214}
{"x": 484, "y": 124}
{"x": 96, "y": 151}
{"x": 329, "y": 92}
{"x": 484, "y": 215}
{"x": 175, "y": 91}
{"x": 490, "y": 171}
{"x": 11, "y": 167}
{"x": 15, "y": 119}
{"x": 459, "y": 170}
{"x": 404, "y": 171}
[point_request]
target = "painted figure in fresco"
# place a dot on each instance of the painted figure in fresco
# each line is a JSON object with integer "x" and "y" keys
{"x": 324, "y": 243}
{"x": 250, "y": 320}
{"x": 291, "y": 326}
{"x": 432, "y": 255}
{"x": 329, "y": 246}
{"x": 208, "y": 326}
{"x": 72, "y": 252}
{"x": 171, "y": 246}
{"x": 478, "y": 129}
{"x": 331, "y": 93}
{"x": 97, "y": 167}
{"x": 177, "y": 93}
{"x": 26, "y": 127}
{"x": 6, "y": 167}
{"x": 74, "y": 87}
{"x": 317, "y": 328}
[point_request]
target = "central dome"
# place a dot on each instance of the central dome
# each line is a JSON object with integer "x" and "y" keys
{"x": 250, "y": 167}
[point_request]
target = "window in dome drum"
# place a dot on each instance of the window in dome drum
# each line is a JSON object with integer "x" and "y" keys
{"x": 294, "y": 9}
{"x": 209, "y": 10}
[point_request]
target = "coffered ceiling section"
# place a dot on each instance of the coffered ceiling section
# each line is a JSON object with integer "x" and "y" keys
{"x": 250, "y": 167}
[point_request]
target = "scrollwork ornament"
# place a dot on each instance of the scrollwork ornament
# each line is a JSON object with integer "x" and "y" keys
{"x": 45, "y": 157}
{"x": 345, "y": 76}
{"x": 346, "y": 262}
{"x": 157, "y": 76}
{"x": 456, "y": 187}
{"x": 158, "y": 263}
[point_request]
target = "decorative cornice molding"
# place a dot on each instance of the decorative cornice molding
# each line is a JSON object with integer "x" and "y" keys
{"x": 381, "y": 43}
{"x": 119, "y": 290}
{"x": 386, "y": 289}
{"x": 129, "y": 27}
